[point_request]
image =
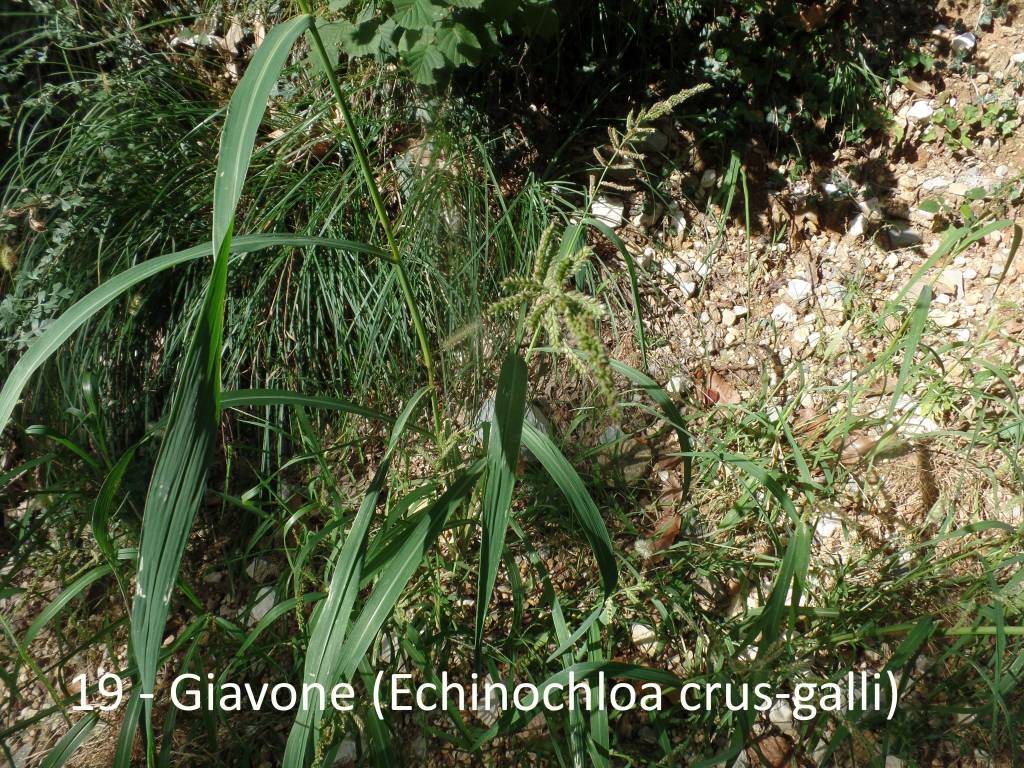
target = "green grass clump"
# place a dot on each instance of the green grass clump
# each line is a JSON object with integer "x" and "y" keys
{"x": 276, "y": 474}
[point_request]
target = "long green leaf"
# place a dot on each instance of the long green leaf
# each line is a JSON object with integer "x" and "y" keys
{"x": 243, "y": 398}
{"x": 61, "y": 329}
{"x": 396, "y": 573}
{"x": 71, "y": 741}
{"x": 104, "y": 505}
{"x": 634, "y": 284}
{"x": 672, "y": 415}
{"x": 583, "y": 506}
{"x": 912, "y": 342}
{"x": 245, "y": 112}
{"x": 130, "y": 727}
{"x": 586, "y": 513}
{"x": 179, "y": 477}
{"x": 73, "y": 590}
{"x": 343, "y": 659}
{"x": 323, "y": 654}
{"x": 502, "y": 457}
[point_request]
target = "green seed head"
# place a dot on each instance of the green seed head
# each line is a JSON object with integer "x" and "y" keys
{"x": 8, "y": 258}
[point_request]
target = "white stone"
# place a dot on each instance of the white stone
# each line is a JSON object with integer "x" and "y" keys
{"x": 609, "y": 211}
{"x": 921, "y": 112}
{"x": 642, "y": 634}
{"x": 708, "y": 178}
{"x": 964, "y": 43}
{"x": 799, "y": 289}
{"x": 669, "y": 267}
{"x": 739, "y": 310}
{"x": 264, "y": 602}
{"x": 1017, "y": 58}
{"x": 944, "y": 319}
{"x": 676, "y": 384}
{"x": 728, "y": 318}
{"x": 1002, "y": 171}
{"x": 677, "y": 219}
{"x": 783, "y": 313}
{"x": 347, "y": 754}
{"x": 646, "y": 258}
{"x": 970, "y": 274}
{"x": 857, "y": 226}
{"x": 903, "y": 237}
{"x": 950, "y": 282}
{"x": 611, "y": 435}
{"x": 534, "y": 417}
{"x": 963, "y": 335}
{"x": 892, "y": 260}
{"x": 689, "y": 288}
{"x": 937, "y": 182}
{"x": 781, "y": 715}
{"x": 827, "y": 526}
{"x": 702, "y": 268}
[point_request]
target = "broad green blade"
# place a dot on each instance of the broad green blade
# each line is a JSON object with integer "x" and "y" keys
{"x": 400, "y": 568}
{"x": 245, "y": 112}
{"x": 71, "y": 741}
{"x": 599, "y": 746}
{"x": 583, "y": 506}
{"x": 179, "y": 476}
{"x": 328, "y": 658}
{"x": 129, "y": 727}
{"x": 84, "y": 309}
{"x": 328, "y": 638}
{"x": 588, "y": 516}
{"x": 502, "y": 457}
{"x": 73, "y": 590}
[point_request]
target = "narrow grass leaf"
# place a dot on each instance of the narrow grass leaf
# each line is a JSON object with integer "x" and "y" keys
{"x": 502, "y": 457}
{"x": 130, "y": 727}
{"x": 61, "y": 329}
{"x": 583, "y": 506}
{"x": 599, "y": 745}
{"x": 73, "y": 590}
{"x": 179, "y": 476}
{"x": 634, "y": 285}
{"x": 103, "y": 508}
{"x": 324, "y": 653}
{"x": 70, "y": 742}
{"x": 911, "y": 343}
{"x": 672, "y": 415}
{"x": 586, "y": 513}
{"x": 956, "y": 241}
{"x": 245, "y": 398}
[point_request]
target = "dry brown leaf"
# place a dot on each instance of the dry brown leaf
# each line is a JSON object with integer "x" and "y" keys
{"x": 775, "y": 751}
{"x": 721, "y": 390}
{"x": 666, "y": 530}
{"x": 854, "y": 448}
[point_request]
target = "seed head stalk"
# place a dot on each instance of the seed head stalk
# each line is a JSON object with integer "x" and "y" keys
{"x": 395, "y": 258}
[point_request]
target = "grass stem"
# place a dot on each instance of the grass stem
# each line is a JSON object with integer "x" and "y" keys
{"x": 378, "y": 203}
